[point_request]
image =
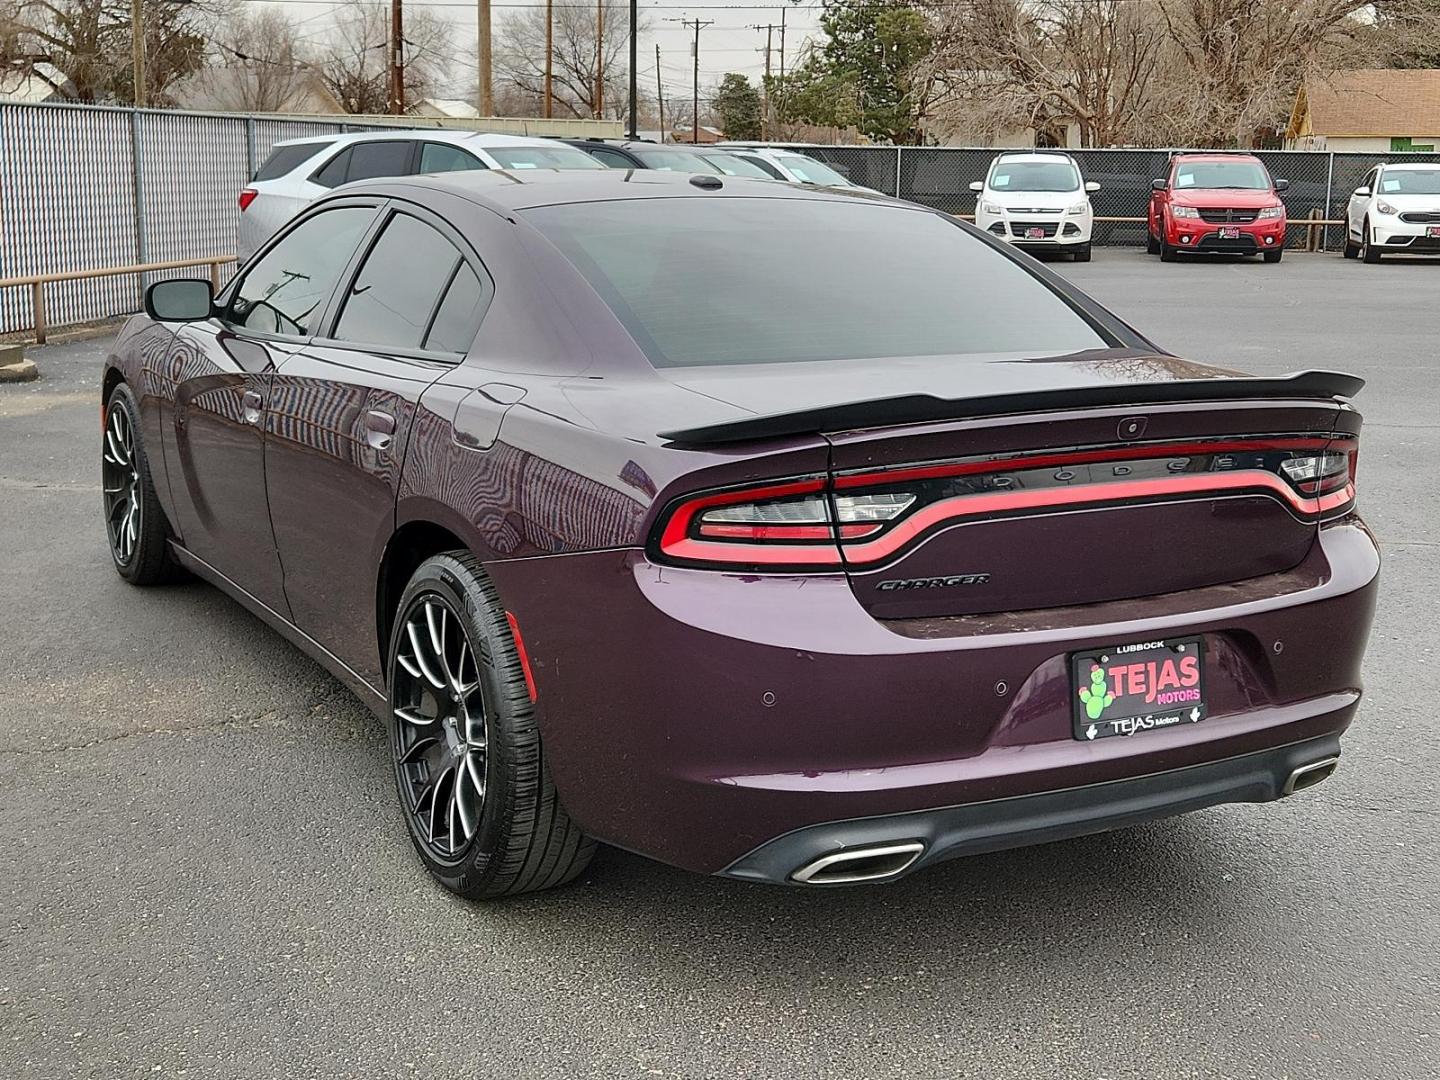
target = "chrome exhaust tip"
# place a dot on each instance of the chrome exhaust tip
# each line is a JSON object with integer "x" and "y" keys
{"x": 858, "y": 865}
{"x": 1310, "y": 775}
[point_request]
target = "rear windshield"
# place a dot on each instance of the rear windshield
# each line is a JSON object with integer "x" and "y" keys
{"x": 542, "y": 157}
{"x": 1410, "y": 182}
{"x": 285, "y": 159}
{"x": 677, "y": 161}
{"x": 755, "y": 280}
{"x": 731, "y": 165}
{"x": 1240, "y": 175}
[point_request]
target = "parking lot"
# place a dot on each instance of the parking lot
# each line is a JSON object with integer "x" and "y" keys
{"x": 206, "y": 873}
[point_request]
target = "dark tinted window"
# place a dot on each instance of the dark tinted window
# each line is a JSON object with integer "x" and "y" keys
{"x": 285, "y": 289}
{"x": 612, "y": 158}
{"x": 284, "y": 159}
{"x": 690, "y": 280}
{"x": 332, "y": 173}
{"x": 394, "y": 294}
{"x": 368, "y": 160}
{"x": 763, "y": 165}
{"x": 459, "y": 314}
{"x": 438, "y": 157}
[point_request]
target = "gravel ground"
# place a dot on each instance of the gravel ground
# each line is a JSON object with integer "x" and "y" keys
{"x": 204, "y": 873}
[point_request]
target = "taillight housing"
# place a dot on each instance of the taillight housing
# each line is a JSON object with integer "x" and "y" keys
{"x": 868, "y": 517}
{"x": 247, "y": 196}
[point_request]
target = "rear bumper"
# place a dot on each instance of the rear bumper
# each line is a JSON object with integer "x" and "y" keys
{"x": 695, "y": 716}
{"x": 955, "y": 831}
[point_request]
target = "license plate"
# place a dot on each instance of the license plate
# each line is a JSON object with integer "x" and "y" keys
{"x": 1034, "y": 234}
{"x": 1433, "y": 231}
{"x": 1229, "y": 234}
{"x": 1142, "y": 686}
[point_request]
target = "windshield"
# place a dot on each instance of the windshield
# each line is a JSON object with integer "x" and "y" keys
{"x": 809, "y": 171}
{"x": 1243, "y": 175}
{"x": 1034, "y": 176}
{"x": 1410, "y": 182}
{"x": 542, "y": 157}
{"x": 676, "y": 161}
{"x": 731, "y": 165}
{"x": 682, "y": 275}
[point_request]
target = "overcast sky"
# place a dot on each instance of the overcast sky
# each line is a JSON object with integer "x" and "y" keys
{"x": 727, "y": 45}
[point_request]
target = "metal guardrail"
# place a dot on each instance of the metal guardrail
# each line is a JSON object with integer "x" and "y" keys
{"x": 37, "y": 282}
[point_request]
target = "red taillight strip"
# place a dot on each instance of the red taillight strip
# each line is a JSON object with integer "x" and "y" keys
{"x": 963, "y": 506}
{"x": 786, "y": 532}
{"x": 1078, "y": 457}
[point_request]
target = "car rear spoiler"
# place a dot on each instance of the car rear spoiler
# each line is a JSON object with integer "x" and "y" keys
{"x": 920, "y": 408}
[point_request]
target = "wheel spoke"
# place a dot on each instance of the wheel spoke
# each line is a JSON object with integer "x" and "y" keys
{"x": 437, "y": 633}
{"x": 477, "y": 779}
{"x": 417, "y": 751}
{"x": 409, "y": 665}
{"x": 433, "y": 678}
{"x": 435, "y": 800}
{"x": 119, "y": 456}
{"x": 410, "y": 716}
{"x": 467, "y": 824}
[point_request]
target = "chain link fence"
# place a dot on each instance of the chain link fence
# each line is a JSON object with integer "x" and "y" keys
{"x": 93, "y": 187}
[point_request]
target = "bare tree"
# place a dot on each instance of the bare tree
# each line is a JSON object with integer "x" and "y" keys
{"x": 353, "y": 60}
{"x": 520, "y": 58}
{"x": 88, "y": 43}
{"x": 257, "y": 65}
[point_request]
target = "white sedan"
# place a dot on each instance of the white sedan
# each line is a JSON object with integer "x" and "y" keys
{"x": 1395, "y": 209}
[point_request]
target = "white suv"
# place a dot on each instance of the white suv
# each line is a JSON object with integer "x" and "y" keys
{"x": 299, "y": 171}
{"x": 1037, "y": 200}
{"x": 1396, "y": 208}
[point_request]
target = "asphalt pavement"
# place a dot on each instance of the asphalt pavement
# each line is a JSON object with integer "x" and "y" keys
{"x": 203, "y": 871}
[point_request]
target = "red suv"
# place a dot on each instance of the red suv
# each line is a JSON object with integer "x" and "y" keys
{"x": 1217, "y": 202}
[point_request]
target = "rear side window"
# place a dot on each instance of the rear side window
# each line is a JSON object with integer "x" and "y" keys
{"x": 455, "y": 323}
{"x": 369, "y": 160}
{"x": 860, "y": 281}
{"x": 285, "y": 159}
{"x": 284, "y": 290}
{"x": 613, "y": 158}
{"x": 763, "y": 165}
{"x": 332, "y": 173}
{"x": 398, "y": 289}
{"x": 438, "y": 157}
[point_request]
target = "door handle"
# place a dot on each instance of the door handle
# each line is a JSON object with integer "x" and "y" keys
{"x": 252, "y": 405}
{"x": 379, "y": 429}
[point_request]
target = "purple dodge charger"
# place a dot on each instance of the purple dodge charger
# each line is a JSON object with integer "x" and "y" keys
{"x": 797, "y": 536}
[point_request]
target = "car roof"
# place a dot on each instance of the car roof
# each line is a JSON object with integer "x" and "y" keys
{"x": 1218, "y": 157}
{"x": 503, "y": 190}
{"x": 481, "y": 139}
{"x": 1041, "y": 155}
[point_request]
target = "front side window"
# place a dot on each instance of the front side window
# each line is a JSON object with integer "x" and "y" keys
{"x": 394, "y": 295}
{"x": 285, "y": 290}
{"x": 542, "y": 157}
{"x": 440, "y": 157}
{"x": 612, "y": 158}
{"x": 1213, "y": 175}
{"x": 731, "y": 165}
{"x": 1020, "y": 175}
{"x": 809, "y": 171}
{"x": 875, "y": 282}
{"x": 763, "y": 165}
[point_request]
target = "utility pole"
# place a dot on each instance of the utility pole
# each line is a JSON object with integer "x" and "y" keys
{"x": 769, "y": 29}
{"x": 634, "y": 74}
{"x": 137, "y": 43}
{"x": 697, "y": 25}
{"x": 599, "y": 59}
{"x": 397, "y": 62}
{"x": 549, "y": 54}
{"x": 782, "y": 44}
{"x": 659, "y": 92}
{"x": 487, "y": 97}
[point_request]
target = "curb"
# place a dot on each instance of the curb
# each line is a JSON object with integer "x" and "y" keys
{"x": 24, "y": 371}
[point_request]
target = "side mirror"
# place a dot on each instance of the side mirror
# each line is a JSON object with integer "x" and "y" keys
{"x": 1362, "y": 192}
{"x": 1158, "y": 185}
{"x": 977, "y": 185}
{"x": 180, "y": 300}
{"x": 1092, "y": 186}
{"x": 1282, "y": 185}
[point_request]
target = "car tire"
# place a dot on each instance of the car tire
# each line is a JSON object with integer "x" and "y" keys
{"x": 1369, "y": 252}
{"x": 1152, "y": 245}
{"x": 1351, "y": 250}
{"x": 1274, "y": 255}
{"x": 463, "y": 735}
{"x": 135, "y": 524}
{"x": 1082, "y": 253}
{"x": 1167, "y": 253}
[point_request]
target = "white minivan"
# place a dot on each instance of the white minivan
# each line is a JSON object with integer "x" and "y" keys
{"x": 1037, "y": 199}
